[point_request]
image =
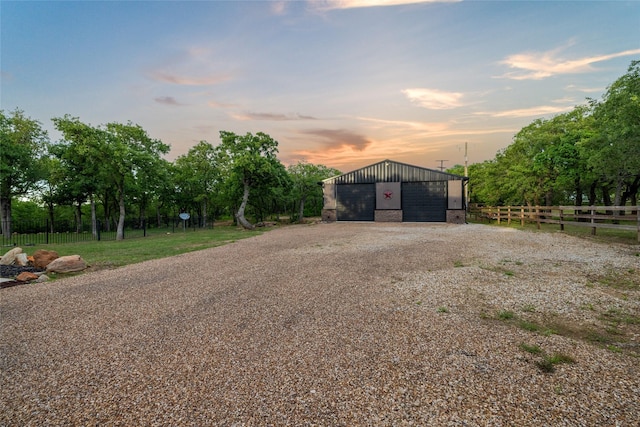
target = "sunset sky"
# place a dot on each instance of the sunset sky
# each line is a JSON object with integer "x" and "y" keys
{"x": 341, "y": 83}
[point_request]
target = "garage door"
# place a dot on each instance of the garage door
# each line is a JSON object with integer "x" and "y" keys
{"x": 355, "y": 202}
{"x": 424, "y": 201}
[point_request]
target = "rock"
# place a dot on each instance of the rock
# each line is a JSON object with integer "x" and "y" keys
{"x": 42, "y": 258}
{"x": 42, "y": 278}
{"x": 10, "y": 257}
{"x": 66, "y": 264}
{"x": 26, "y": 276}
{"x": 21, "y": 260}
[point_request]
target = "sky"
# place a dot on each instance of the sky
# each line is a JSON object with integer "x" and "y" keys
{"x": 342, "y": 83}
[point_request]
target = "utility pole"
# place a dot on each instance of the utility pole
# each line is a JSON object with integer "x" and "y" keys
{"x": 442, "y": 164}
{"x": 466, "y": 173}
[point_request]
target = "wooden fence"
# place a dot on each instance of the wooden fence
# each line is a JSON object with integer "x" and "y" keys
{"x": 617, "y": 217}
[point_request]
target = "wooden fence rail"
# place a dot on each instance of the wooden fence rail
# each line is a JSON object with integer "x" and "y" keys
{"x": 617, "y": 217}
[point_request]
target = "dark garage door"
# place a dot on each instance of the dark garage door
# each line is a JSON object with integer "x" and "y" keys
{"x": 424, "y": 201}
{"x": 355, "y": 202}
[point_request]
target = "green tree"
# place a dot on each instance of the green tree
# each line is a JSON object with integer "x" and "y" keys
{"x": 131, "y": 157}
{"x": 249, "y": 162}
{"x": 306, "y": 178}
{"x": 615, "y": 149}
{"x": 22, "y": 146}
{"x": 197, "y": 175}
{"x": 81, "y": 174}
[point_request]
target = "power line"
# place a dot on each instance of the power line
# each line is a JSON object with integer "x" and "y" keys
{"x": 442, "y": 164}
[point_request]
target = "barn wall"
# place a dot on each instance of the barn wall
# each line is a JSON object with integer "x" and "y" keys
{"x": 392, "y": 191}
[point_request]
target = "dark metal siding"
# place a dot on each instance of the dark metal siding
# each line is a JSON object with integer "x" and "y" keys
{"x": 390, "y": 171}
{"x": 356, "y": 202}
{"x": 424, "y": 201}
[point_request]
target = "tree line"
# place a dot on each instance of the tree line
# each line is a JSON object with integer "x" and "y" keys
{"x": 588, "y": 155}
{"x": 117, "y": 169}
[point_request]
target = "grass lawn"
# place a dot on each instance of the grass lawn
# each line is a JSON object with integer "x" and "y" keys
{"x": 108, "y": 254}
{"x": 602, "y": 234}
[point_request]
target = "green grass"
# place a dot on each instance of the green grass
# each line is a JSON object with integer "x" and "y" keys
{"x": 602, "y": 234}
{"x": 109, "y": 254}
{"x": 549, "y": 362}
{"x": 628, "y": 280}
{"x": 506, "y": 315}
{"x": 533, "y": 349}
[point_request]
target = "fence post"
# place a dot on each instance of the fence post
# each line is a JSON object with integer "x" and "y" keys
{"x": 509, "y": 215}
{"x": 98, "y": 228}
{"x": 561, "y": 219}
{"x": 499, "y": 210}
{"x": 593, "y": 220}
{"x": 521, "y": 216}
{"x": 638, "y": 219}
{"x": 46, "y": 233}
{"x": 538, "y": 217}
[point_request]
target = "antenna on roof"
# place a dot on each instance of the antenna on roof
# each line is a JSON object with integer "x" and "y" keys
{"x": 442, "y": 164}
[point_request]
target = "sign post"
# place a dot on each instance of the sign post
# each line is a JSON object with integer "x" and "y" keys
{"x": 184, "y": 217}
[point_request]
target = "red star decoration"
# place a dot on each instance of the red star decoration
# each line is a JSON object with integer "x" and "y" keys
{"x": 388, "y": 194}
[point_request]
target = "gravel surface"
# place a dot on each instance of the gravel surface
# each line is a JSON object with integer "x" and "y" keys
{"x": 332, "y": 324}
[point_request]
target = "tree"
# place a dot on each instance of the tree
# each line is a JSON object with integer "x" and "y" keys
{"x": 615, "y": 150}
{"x": 249, "y": 162}
{"x": 306, "y": 178}
{"x": 131, "y": 155}
{"x": 197, "y": 175}
{"x": 22, "y": 146}
{"x": 82, "y": 155}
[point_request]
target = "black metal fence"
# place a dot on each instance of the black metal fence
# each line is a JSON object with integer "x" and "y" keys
{"x": 31, "y": 233}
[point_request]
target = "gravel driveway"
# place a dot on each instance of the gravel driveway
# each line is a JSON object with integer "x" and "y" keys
{"x": 333, "y": 324}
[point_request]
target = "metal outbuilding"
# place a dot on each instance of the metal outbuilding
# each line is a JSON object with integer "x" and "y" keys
{"x": 394, "y": 192}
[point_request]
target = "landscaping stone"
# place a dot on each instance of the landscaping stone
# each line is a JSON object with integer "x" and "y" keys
{"x": 42, "y": 258}
{"x": 42, "y": 278}
{"x": 26, "y": 276}
{"x": 66, "y": 264}
{"x": 9, "y": 257}
{"x": 21, "y": 260}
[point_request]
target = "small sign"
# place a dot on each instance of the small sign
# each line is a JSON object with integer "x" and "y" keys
{"x": 184, "y": 216}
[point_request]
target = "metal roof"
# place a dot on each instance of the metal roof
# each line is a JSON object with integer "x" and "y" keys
{"x": 390, "y": 171}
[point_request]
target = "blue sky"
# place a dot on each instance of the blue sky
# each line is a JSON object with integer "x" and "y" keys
{"x": 342, "y": 83}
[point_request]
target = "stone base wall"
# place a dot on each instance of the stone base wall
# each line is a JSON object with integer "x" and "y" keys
{"x": 329, "y": 215}
{"x": 388, "y": 215}
{"x": 456, "y": 216}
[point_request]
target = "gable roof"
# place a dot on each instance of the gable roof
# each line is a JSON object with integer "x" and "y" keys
{"x": 392, "y": 171}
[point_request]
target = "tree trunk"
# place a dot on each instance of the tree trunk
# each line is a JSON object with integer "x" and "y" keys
{"x": 204, "y": 214}
{"x": 120, "y": 230}
{"x": 79, "y": 217}
{"x": 592, "y": 194}
{"x": 5, "y": 216}
{"x": 606, "y": 195}
{"x": 301, "y": 211}
{"x": 158, "y": 216}
{"x": 619, "y": 186}
{"x": 240, "y": 214}
{"x": 94, "y": 219}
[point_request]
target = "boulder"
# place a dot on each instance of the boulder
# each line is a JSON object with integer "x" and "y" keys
{"x": 26, "y": 276}
{"x": 21, "y": 260}
{"x": 66, "y": 264}
{"x": 42, "y": 278}
{"x": 42, "y": 258}
{"x": 10, "y": 257}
